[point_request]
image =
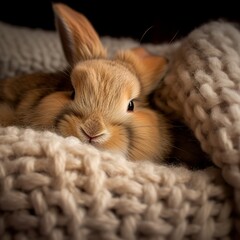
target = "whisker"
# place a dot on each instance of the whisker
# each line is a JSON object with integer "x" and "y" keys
{"x": 175, "y": 35}
{"x": 66, "y": 71}
{"x": 66, "y": 74}
{"x": 149, "y": 126}
{"x": 145, "y": 33}
{"x": 171, "y": 145}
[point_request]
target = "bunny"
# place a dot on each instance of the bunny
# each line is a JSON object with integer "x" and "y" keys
{"x": 100, "y": 100}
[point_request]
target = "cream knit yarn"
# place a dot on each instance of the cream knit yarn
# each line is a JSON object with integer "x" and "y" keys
{"x": 203, "y": 88}
{"x": 58, "y": 188}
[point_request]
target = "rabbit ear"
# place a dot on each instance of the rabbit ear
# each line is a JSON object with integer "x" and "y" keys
{"x": 78, "y": 37}
{"x": 150, "y": 68}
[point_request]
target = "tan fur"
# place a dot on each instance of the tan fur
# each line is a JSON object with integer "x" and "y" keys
{"x": 103, "y": 89}
{"x": 77, "y": 35}
{"x": 43, "y": 115}
{"x": 7, "y": 114}
{"x": 148, "y": 67}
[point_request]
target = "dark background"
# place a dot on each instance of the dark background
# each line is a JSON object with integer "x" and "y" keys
{"x": 165, "y": 21}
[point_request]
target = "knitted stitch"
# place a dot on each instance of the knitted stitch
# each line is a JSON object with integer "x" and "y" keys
{"x": 25, "y": 50}
{"x": 58, "y": 188}
{"x": 203, "y": 88}
{"x": 61, "y": 189}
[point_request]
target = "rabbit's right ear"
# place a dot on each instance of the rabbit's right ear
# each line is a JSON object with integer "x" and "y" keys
{"x": 78, "y": 37}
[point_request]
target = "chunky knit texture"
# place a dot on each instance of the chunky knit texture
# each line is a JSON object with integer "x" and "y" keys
{"x": 58, "y": 188}
{"x": 62, "y": 189}
{"x": 203, "y": 88}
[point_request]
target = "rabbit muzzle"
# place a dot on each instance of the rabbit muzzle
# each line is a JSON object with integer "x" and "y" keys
{"x": 93, "y": 130}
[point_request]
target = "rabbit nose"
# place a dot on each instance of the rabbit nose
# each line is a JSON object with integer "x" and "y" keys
{"x": 93, "y": 129}
{"x": 92, "y": 136}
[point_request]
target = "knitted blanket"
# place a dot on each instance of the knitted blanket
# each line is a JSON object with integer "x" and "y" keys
{"x": 59, "y": 188}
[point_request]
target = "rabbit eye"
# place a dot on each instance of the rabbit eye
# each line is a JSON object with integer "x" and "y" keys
{"x": 130, "y": 106}
{"x": 72, "y": 95}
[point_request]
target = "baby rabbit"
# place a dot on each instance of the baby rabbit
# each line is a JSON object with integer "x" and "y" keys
{"x": 98, "y": 99}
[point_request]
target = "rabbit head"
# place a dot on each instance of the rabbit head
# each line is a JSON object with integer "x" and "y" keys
{"x": 107, "y": 107}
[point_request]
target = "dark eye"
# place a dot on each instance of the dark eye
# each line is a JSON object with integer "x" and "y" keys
{"x": 72, "y": 95}
{"x": 130, "y": 106}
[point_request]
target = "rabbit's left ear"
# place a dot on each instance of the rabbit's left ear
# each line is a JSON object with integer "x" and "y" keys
{"x": 79, "y": 39}
{"x": 149, "y": 68}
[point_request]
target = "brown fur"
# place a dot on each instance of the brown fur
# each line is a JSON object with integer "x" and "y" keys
{"x": 103, "y": 89}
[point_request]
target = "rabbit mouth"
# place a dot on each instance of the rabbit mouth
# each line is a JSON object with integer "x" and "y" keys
{"x": 94, "y": 138}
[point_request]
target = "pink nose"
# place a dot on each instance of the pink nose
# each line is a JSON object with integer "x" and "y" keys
{"x": 91, "y": 137}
